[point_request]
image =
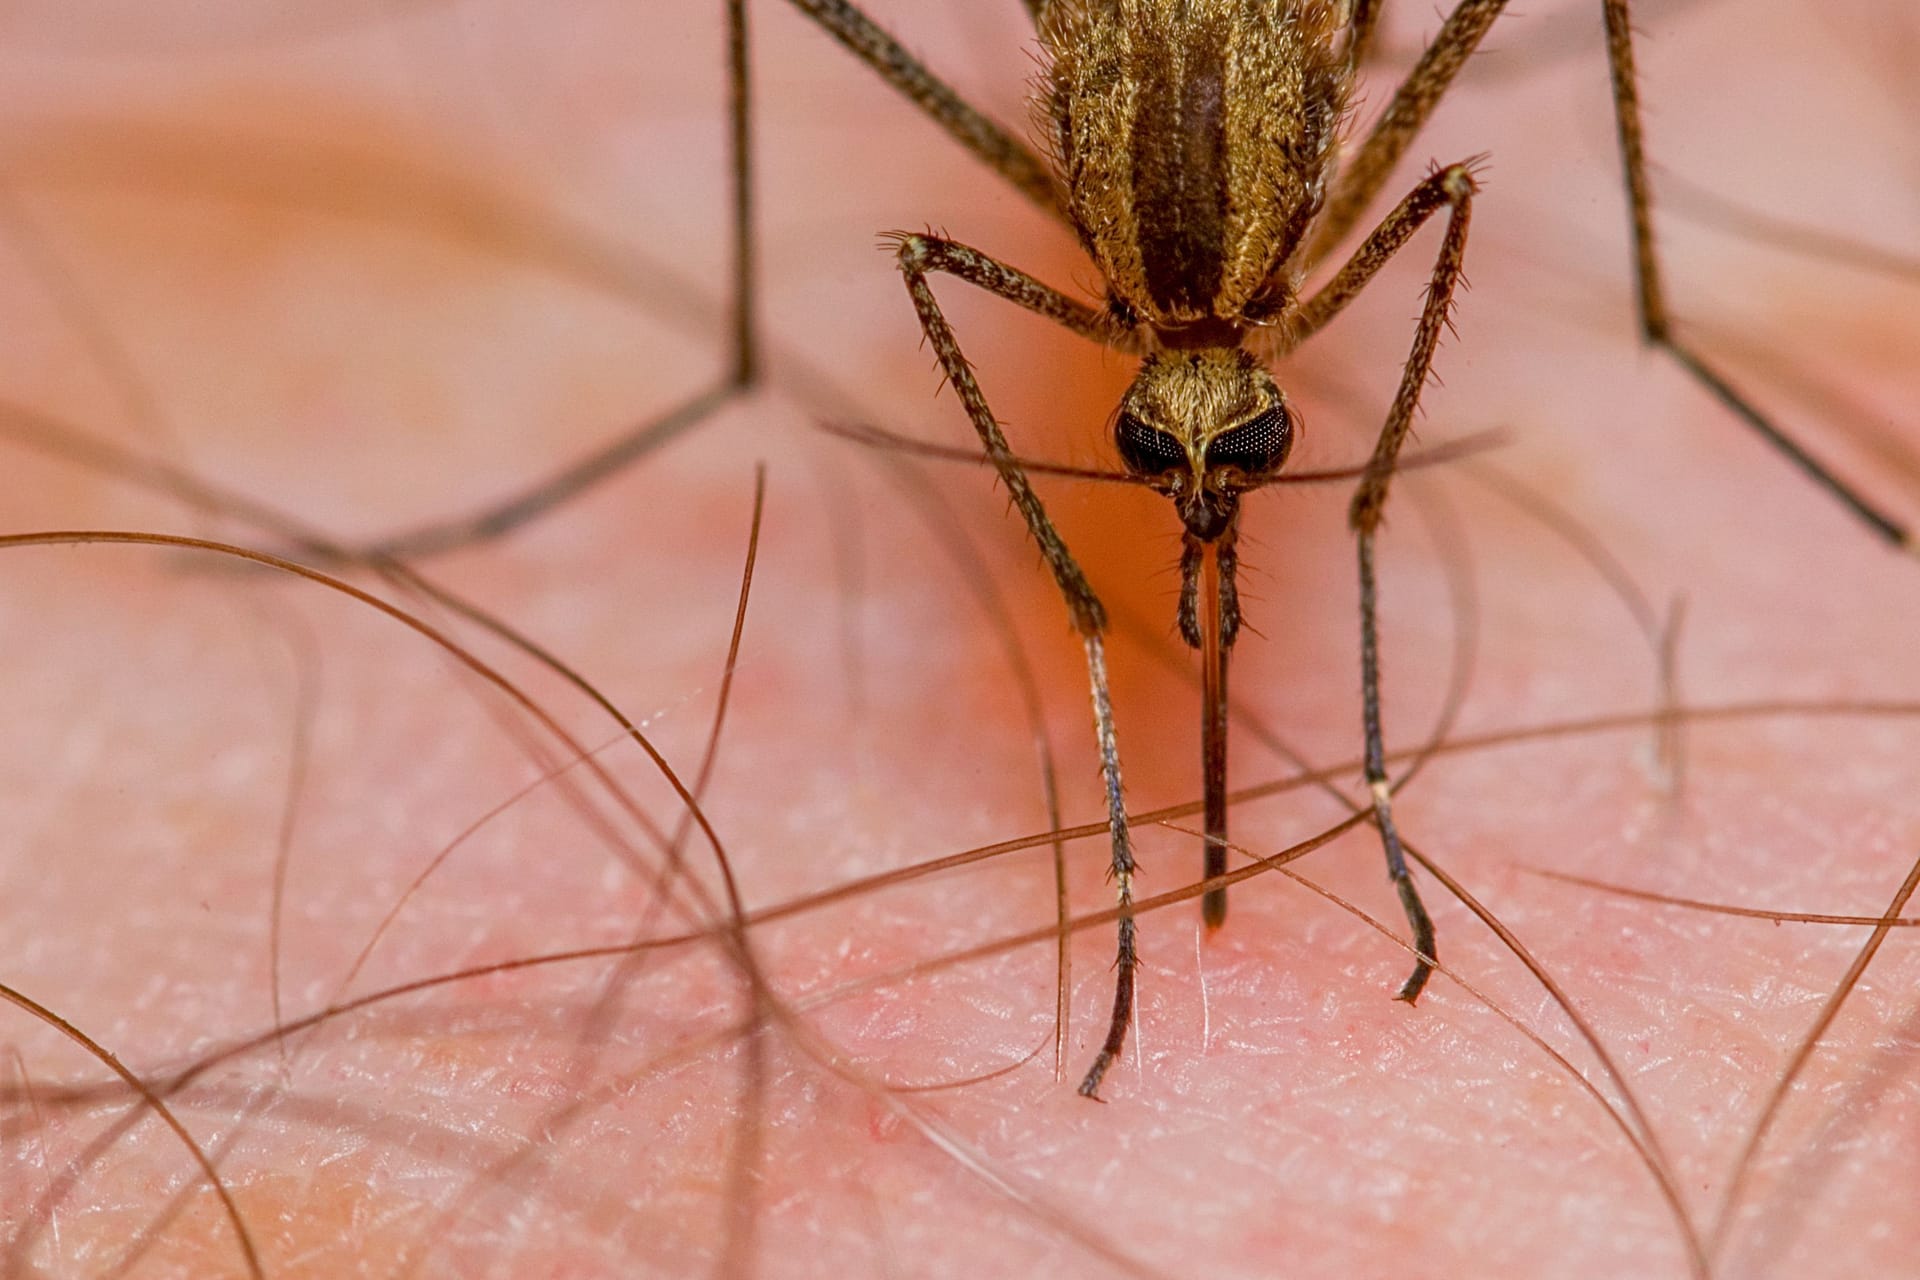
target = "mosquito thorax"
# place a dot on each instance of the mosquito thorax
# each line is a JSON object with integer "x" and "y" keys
{"x": 1195, "y": 138}
{"x": 1201, "y": 426}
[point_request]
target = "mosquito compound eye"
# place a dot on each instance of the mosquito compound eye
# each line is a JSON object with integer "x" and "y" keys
{"x": 1255, "y": 446}
{"x": 1147, "y": 450}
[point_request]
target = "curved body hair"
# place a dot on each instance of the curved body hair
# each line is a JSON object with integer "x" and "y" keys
{"x": 1191, "y": 209}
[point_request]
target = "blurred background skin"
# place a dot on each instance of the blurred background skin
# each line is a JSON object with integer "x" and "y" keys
{"x": 376, "y": 264}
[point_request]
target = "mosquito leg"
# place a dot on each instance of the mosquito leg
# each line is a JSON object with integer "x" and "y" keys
{"x": 504, "y": 515}
{"x": 1126, "y": 959}
{"x": 1435, "y": 192}
{"x": 1005, "y": 154}
{"x": 1367, "y": 171}
{"x": 1361, "y": 179}
{"x": 1656, "y": 325}
{"x": 1455, "y": 185}
{"x": 920, "y": 256}
{"x": 1014, "y": 161}
{"x": 746, "y": 265}
{"x": 1364, "y": 27}
{"x": 1381, "y": 789}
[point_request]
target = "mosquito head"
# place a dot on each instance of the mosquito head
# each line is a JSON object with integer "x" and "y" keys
{"x": 1201, "y": 426}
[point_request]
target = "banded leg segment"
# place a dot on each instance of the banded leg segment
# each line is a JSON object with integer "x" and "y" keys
{"x": 1126, "y": 959}
{"x": 1454, "y": 185}
{"x": 920, "y": 256}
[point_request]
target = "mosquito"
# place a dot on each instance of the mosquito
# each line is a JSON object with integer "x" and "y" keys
{"x": 1197, "y": 150}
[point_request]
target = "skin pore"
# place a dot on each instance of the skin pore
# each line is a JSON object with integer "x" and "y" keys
{"x": 375, "y": 267}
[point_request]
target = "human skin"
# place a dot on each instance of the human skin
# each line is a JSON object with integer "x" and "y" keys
{"x": 379, "y": 269}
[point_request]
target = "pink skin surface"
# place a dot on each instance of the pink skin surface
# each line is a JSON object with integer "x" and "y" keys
{"x": 377, "y": 265}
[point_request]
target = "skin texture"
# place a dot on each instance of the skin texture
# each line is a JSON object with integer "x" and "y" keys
{"x": 374, "y": 267}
